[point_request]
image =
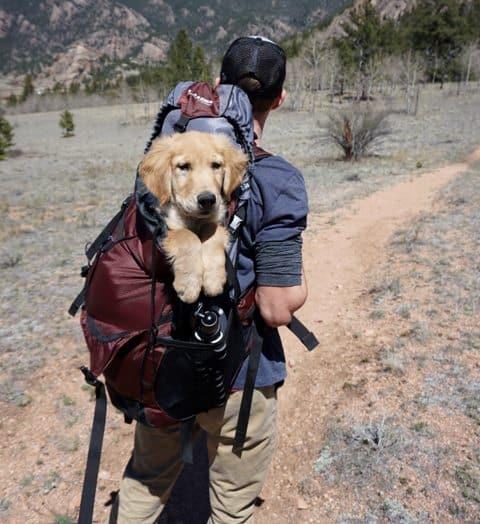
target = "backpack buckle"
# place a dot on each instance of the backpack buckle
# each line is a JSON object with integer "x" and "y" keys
{"x": 90, "y": 378}
{"x": 181, "y": 125}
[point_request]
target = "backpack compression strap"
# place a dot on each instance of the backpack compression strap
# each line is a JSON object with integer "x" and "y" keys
{"x": 92, "y": 249}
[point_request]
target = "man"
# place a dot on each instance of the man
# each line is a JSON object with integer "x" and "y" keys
{"x": 270, "y": 257}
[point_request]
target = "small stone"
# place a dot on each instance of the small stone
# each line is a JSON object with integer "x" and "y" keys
{"x": 301, "y": 503}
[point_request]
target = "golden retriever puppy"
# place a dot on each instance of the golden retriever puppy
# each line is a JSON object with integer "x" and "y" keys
{"x": 193, "y": 175}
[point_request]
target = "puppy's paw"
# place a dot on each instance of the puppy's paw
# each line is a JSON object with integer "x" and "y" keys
{"x": 214, "y": 281}
{"x": 188, "y": 288}
{"x": 184, "y": 250}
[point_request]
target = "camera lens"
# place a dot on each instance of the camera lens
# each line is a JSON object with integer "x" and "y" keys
{"x": 208, "y": 324}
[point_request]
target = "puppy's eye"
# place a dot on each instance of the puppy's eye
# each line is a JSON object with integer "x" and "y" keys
{"x": 216, "y": 165}
{"x": 184, "y": 166}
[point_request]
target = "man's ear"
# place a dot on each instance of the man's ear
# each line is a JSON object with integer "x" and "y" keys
{"x": 156, "y": 170}
{"x": 217, "y": 81}
{"x": 280, "y": 99}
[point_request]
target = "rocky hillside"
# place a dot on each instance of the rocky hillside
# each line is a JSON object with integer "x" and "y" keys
{"x": 68, "y": 37}
{"x": 392, "y": 8}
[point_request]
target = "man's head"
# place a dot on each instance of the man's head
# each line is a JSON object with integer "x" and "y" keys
{"x": 258, "y": 66}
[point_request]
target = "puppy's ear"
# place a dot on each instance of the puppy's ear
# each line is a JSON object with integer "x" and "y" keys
{"x": 235, "y": 165}
{"x": 156, "y": 169}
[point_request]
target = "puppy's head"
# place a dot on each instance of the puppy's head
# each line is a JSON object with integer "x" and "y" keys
{"x": 195, "y": 171}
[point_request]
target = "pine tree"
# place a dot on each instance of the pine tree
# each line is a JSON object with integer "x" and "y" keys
{"x": 470, "y": 11}
{"x": 66, "y": 123}
{"x": 185, "y": 61}
{"x": 74, "y": 88}
{"x": 439, "y": 30}
{"x": 178, "y": 57}
{"x": 199, "y": 67}
{"x": 6, "y": 136}
{"x": 365, "y": 38}
{"x": 12, "y": 100}
{"x": 28, "y": 88}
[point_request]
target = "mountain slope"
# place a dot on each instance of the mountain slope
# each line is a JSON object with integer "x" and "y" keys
{"x": 34, "y": 32}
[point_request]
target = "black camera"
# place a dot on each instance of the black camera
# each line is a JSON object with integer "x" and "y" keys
{"x": 209, "y": 323}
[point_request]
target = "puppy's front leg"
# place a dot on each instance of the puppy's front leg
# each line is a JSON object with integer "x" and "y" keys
{"x": 184, "y": 250}
{"x": 214, "y": 244}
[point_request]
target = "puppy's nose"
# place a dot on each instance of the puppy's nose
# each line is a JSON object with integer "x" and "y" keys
{"x": 206, "y": 200}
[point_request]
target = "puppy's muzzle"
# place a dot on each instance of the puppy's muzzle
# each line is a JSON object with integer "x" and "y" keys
{"x": 206, "y": 201}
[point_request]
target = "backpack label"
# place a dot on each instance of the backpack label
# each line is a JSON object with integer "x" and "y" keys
{"x": 200, "y": 99}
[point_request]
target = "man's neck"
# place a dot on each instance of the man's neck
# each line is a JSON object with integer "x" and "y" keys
{"x": 259, "y": 120}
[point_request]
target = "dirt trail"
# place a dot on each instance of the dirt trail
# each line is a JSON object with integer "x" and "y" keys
{"x": 338, "y": 261}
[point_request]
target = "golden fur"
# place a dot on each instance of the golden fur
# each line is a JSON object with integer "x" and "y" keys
{"x": 193, "y": 175}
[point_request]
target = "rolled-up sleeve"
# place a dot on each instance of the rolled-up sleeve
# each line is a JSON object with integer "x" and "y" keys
{"x": 283, "y": 200}
{"x": 279, "y": 263}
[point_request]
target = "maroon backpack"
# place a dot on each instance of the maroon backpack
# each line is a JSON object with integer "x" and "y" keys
{"x": 158, "y": 367}
{"x": 160, "y": 362}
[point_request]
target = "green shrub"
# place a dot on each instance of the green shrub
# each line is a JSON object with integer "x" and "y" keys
{"x": 6, "y": 136}
{"x": 66, "y": 123}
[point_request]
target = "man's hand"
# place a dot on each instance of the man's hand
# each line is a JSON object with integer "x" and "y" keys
{"x": 277, "y": 304}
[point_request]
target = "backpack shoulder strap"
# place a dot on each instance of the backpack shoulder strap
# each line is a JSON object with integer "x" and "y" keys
{"x": 260, "y": 153}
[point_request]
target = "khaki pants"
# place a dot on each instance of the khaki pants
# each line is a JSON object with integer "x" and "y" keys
{"x": 235, "y": 482}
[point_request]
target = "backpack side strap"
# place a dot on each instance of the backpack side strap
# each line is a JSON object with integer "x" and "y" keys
{"x": 94, "y": 450}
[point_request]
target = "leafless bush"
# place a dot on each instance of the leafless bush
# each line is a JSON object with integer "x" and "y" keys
{"x": 357, "y": 131}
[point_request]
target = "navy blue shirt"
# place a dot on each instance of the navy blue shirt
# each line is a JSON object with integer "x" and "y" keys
{"x": 277, "y": 211}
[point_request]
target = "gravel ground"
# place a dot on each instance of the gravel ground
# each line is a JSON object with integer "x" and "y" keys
{"x": 57, "y": 193}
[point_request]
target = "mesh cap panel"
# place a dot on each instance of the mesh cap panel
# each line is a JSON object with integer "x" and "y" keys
{"x": 255, "y": 57}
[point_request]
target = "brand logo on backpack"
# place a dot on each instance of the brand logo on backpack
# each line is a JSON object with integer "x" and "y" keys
{"x": 199, "y": 98}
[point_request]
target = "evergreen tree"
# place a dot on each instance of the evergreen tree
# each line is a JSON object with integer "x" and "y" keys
{"x": 66, "y": 123}
{"x": 6, "y": 136}
{"x": 74, "y": 88}
{"x": 28, "y": 88}
{"x": 178, "y": 57}
{"x": 58, "y": 88}
{"x": 365, "y": 39}
{"x": 12, "y": 100}
{"x": 470, "y": 11}
{"x": 185, "y": 61}
{"x": 199, "y": 67}
{"x": 438, "y": 29}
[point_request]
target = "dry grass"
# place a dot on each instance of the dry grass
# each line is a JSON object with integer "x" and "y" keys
{"x": 446, "y": 127}
{"x": 412, "y": 429}
{"x": 58, "y": 193}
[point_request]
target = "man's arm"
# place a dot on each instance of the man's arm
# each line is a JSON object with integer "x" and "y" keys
{"x": 277, "y": 304}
